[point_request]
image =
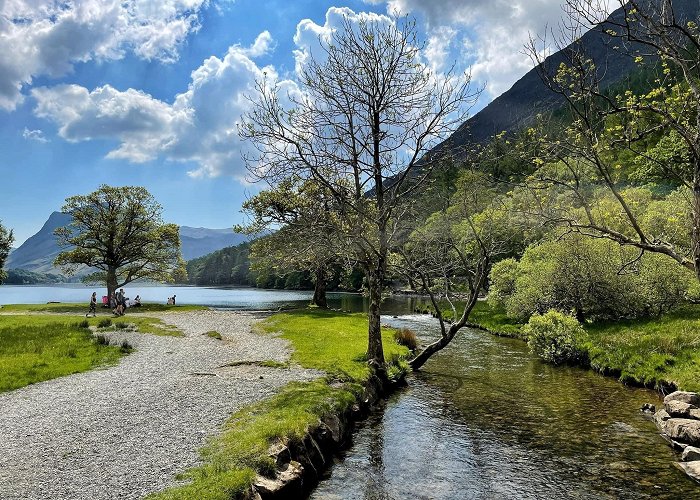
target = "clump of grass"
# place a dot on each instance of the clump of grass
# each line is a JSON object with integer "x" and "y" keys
{"x": 120, "y": 325}
{"x": 214, "y": 335}
{"x": 125, "y": 347}
{"x": 84, "y": 324}
{"x": 407, "y": 338}
{"x": 101, "y": 339}
{"x": 104, "y": 323}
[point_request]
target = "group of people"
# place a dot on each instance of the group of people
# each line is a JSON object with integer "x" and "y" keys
{"x": 118, "y": 302}
{"x": 171, "y": 300}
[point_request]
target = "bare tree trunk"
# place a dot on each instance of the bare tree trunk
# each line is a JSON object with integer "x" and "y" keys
{"x": 111, "y": 281}
{"x": 375, "y": 349}
{"x": 695, "y": 235}
{"x": 319, "y": 298}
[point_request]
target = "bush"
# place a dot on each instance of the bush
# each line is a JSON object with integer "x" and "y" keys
{"x": 595, "y": 279}
{"x": 84, "y": 324}
{"x": 555, "y": 337}
{"x": 121, "y": 325}
{"x": 407, "y": 338}
{"x": 125, "y": 347}
{"x": 101, "y": 339}
{"x": 104, "y": 323}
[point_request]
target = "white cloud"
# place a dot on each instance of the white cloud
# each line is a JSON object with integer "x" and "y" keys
{"x": 199, "y": 126}
{"x": 34, "y": 135}
{"x": 47, "y": 38}
{"x": 496, "y": 33}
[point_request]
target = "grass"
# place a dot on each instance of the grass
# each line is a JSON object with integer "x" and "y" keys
{"x": 214, "y": 335}
{"x": 652, "y": 352}
{"x": 80, "y": 308}
{"x": 329, "y": 341}
{"x": 36, "y": 349}
{"x": 484, "y": 315}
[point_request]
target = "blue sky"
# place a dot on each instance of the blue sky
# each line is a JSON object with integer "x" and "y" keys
{"x": 146, "y": 92}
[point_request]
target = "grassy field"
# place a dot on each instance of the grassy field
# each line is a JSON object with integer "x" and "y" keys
{"x": 329, "y": 341}
{"x": 33, "y": 349}
{"x": 79, "y": 308}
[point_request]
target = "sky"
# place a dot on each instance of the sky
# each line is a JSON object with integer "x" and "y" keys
{"x": 149, "y": 92}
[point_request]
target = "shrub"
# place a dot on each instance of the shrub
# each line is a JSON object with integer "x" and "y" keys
{"x": 555, "y": 337}
{"x": 84, "y": 324}
{"x": 407, "y": 338}
{"x": 121, "y": 325}
{"x": 104, "y": 323}
{"x": 125, "y": 347}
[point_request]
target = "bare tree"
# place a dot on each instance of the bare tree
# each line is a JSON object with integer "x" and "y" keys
{"x": 658, "y": 32}
{"x": 367, "y": 109}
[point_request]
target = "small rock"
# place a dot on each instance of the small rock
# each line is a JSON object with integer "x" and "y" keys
{"x": 690, "y": 454}
{"x": 648, "y": 408}
{"x": 660, "y": 418}
{"x": 692, "y": 398}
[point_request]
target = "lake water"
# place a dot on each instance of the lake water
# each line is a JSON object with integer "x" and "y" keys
{"x": 483, "y": 419}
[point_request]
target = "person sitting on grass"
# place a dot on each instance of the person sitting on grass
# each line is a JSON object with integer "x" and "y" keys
{"x": 93, "y": 305}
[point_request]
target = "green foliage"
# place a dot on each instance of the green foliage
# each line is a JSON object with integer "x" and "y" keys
{"x": 555, "y": 337}
{"x": 24, "y": 277}
{"x": 6, "y": 239}
{"x": 104, "y": 323}
{"x": 228, "y": 266}
{"x": 119, "y": 232}
{"x": 33, "y": 349}
{"x": 592, "y": 278}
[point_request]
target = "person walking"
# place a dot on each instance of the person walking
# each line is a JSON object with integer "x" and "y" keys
{"x": 121, "y": 302}
{"x": 93, "y": 305}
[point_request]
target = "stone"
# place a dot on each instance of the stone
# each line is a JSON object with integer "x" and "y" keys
{"x": 279, "y": 452}
{"x": 648, "y": 408}
{"x": 679, "y": 409}
{"x": 660, "y": 418}
{"x": 683, "y": 429}
{"x": 690, "y": 454}
{"x": 692, "y": 469}
{"x": 287, "y": 484}
{"x": 692, "y": 398}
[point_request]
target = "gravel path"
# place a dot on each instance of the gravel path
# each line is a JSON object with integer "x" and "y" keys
{"x": 126, "y": 431}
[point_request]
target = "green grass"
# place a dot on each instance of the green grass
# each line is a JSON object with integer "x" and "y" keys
{"x": 495, "y": 320}
{"x": 80, "y": 308}
{"x": 651, "y": 352}
{"x": 214, "y": 335}
{"x": 330, "y": 341}
{"x": 34, "y": 349}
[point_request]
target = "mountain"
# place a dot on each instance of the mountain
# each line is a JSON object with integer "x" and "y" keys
{"x": 38, "y": 252}
{"x": 517, "y": 107}
{"x": 199, "y": 241}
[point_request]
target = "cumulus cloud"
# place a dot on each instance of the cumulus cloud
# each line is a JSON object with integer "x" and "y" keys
{"x": 34, "y": 135}
{"x": 199, "y": 126}
{"x": 48, "y": 38}
{"x": 488, "y": 34}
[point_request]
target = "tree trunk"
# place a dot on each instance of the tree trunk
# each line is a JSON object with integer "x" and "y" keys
{"x": 319, "y": 298}
{"x": 696, "y": 219}
{"x": 375, "y": 349}
{"x": 436, "y": 346}
{"x": 111, "y": 281}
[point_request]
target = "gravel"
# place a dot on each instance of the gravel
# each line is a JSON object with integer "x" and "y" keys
{"x": 127, "y": 430}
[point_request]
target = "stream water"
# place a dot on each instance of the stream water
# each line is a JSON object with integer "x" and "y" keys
{"x": 486, "y": 419}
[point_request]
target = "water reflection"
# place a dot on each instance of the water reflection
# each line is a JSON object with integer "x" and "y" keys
{"x": 485, "y": 419}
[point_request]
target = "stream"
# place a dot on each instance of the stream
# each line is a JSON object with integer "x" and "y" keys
{"x": 486, "y": 419}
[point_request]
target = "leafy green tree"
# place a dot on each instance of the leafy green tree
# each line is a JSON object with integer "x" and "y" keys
{"x": 6, "y": 239}
{"x": 367, "y": 113}
{"x": 119, "y": 232}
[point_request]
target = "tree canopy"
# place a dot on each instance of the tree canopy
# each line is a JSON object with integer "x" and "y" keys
{"x": 119, "y": 232}
{"x": 6, "y": 239}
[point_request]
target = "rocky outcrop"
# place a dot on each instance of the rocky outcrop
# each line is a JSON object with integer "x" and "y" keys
{"x": 679, "y": 423}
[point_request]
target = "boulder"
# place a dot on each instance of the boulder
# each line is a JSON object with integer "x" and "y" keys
{"x": 692, "y": 398}
{"x": 690, "y": 454}
{"x": 287, "y": 485}
{"x": 660, "y": 418}
{"x": 683, "y": 429}
{"x": 679, "y": 409}
{"x": 690, "y": 468}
